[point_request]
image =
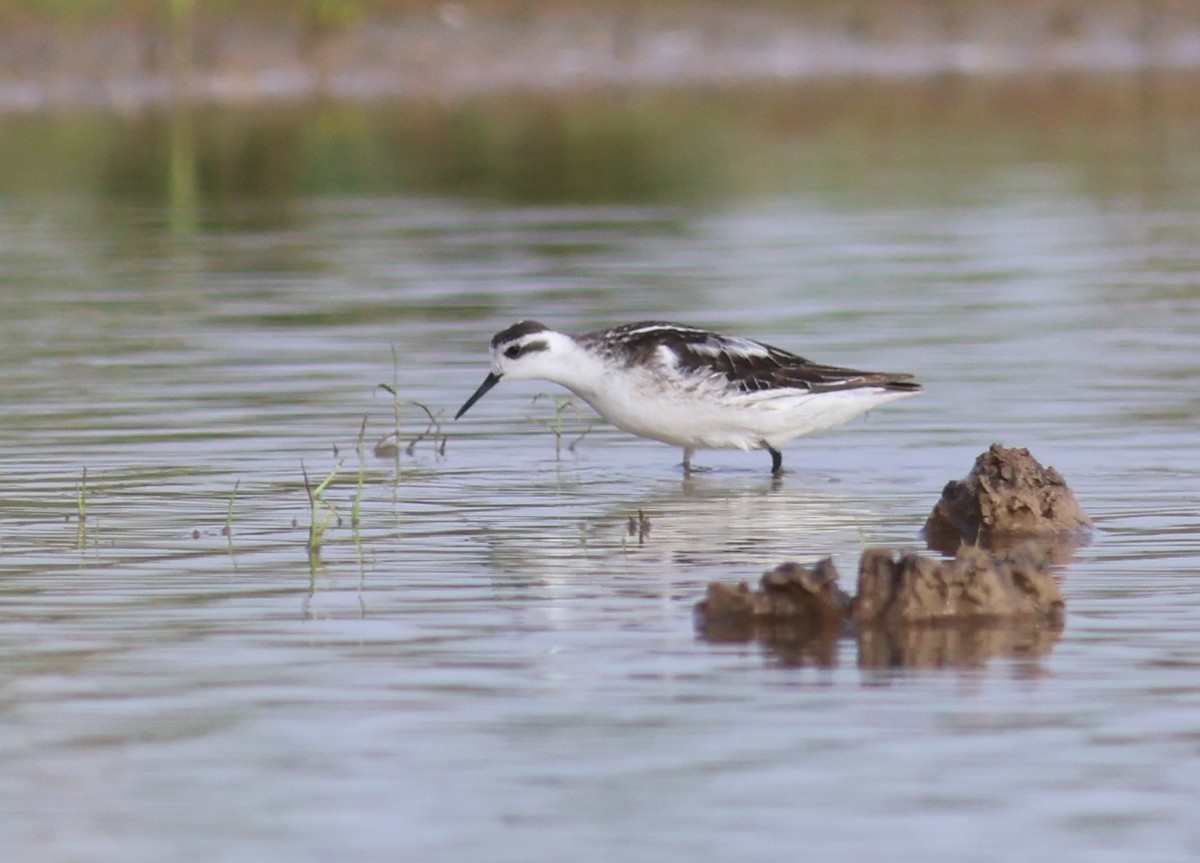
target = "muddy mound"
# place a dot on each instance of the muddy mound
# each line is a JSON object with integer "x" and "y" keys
{"x": 790, "y": 592}
{"x": 974, "y": 587}
{"x": 799, "y": 611}
{"x": 1006, "y": 524}
{"x": 1007, "y": 496}
{"x": 910, "y": 610}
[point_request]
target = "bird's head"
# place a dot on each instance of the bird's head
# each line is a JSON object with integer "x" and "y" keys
{"x": 524, "y": 351}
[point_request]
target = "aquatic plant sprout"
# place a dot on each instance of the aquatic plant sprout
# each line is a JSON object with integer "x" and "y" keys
{"x": 321, "y": 512}
{"x": 557, "y": 423}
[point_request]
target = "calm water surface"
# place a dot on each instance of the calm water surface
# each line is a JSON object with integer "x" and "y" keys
{"x": 196, "y": 309}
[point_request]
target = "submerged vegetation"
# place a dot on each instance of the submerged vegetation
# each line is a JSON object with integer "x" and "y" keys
{"x": 322, "y": 513}
{"x": 392, "y": 444}
{"x": 557, "y": 422}
{"x": 227, "y": 530}
{"x": 393, "y": 389}
{"x": 559, "y": 415}
{"x": 81, "y": 511}
{"x": 359, "y": 483}
{"x": 638, "y": 526}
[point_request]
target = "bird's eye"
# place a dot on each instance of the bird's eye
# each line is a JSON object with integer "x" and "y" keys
{"x": 512, "y": 351}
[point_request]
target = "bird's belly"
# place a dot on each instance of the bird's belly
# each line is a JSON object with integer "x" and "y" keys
{"x": 693, "y": 426}
{"x": 706, "y": 420}
{"x": 692, "y": 422}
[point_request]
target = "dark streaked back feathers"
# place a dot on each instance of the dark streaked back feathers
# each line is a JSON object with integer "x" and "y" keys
{"x": 748, "y": 365}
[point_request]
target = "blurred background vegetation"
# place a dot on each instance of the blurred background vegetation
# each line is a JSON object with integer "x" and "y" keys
{"x": 101, "y": 98}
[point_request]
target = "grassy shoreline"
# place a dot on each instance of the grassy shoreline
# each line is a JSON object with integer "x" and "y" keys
{"x": 133, "y": 54}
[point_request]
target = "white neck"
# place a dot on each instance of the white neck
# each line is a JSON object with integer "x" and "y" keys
{"x": 574, "y": 368}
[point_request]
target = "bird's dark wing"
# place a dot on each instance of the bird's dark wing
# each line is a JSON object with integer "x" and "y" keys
{"x": 746, "y": 364}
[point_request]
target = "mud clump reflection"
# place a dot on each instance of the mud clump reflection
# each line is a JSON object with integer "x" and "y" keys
{"x": 910, "y": 611}
{"x": 1008, "y": 496}
{"x": 952, "y": 645}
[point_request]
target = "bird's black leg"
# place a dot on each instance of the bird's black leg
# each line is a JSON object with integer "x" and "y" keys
{"x": 776, "y": 459}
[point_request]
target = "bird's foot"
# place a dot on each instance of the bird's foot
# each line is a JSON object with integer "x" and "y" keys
{"x": 688, "y": 467}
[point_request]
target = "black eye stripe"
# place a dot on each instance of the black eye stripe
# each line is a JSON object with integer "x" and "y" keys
{"x": 514, "y": 351}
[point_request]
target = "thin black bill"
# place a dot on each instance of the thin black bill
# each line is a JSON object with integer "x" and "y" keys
{"x": 490, "y": 381}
